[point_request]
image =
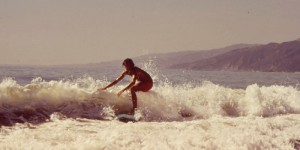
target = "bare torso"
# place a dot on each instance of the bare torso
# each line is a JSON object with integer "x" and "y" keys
{"x": 139, "y": 74}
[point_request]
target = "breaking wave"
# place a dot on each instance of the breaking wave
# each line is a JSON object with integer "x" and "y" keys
{"x": 42, "y": 101}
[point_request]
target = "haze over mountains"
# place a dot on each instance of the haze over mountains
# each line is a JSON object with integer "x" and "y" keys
{"x": 272, "y": 57}
{"x": 167, "y": 60}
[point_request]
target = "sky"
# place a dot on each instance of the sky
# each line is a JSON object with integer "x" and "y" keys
{"x": 52, "y": 32}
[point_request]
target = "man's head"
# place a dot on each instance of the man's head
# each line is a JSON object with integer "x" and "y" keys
{"x": 128, "y": 63}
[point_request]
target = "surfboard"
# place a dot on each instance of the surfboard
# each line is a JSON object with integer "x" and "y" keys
{"x": 126, "y": 118}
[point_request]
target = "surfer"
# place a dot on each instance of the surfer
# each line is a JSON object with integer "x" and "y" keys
{"x": 141, "y": 81}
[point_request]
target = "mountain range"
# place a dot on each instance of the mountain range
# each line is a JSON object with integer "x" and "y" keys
{"x": 272, "y": 57}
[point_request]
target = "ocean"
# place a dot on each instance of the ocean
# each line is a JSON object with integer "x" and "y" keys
{"x": 57, "y": 107}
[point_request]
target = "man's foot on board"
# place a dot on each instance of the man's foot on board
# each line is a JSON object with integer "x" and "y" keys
{"x": 132, "y": 112}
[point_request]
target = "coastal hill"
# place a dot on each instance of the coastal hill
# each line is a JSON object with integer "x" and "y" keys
{"x": 272, "y": 57}
{"x": 166, "y": 60}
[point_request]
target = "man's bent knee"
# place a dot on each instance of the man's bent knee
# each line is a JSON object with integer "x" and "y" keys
{"x": 133, "y": 89}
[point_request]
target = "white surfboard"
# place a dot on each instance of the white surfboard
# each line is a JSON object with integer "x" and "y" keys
{"x": 126, "y": 118}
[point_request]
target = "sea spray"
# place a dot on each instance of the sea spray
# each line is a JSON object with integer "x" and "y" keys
{"x": 270, "y": 101}
{"x": 36, "y": 101}
{"x": 70, "y": 114}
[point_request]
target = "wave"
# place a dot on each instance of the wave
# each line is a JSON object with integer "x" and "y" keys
{"x": 42, "y": 101}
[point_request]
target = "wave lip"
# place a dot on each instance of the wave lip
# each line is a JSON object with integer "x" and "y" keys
{"x": 42, "y": 101}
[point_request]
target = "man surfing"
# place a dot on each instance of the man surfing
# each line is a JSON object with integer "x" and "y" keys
{"x": 141, "y": 81}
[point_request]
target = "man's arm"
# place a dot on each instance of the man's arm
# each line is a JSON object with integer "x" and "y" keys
{"x": 115, "y": 81}
{"x": 128, "y": 86}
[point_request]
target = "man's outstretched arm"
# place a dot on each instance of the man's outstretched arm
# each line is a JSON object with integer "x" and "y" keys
{"x": 115, "y": 81}
{"x": 128, "y": 86}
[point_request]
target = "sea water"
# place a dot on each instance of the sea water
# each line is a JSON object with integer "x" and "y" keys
{"x": 59, "y": 108}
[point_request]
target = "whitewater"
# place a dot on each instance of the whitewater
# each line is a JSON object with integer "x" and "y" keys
{"x": 184, "y": 110}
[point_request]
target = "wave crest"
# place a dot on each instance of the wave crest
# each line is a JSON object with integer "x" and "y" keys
{"x": 42, "y": 101}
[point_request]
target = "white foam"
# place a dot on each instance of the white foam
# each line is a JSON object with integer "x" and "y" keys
{"x": 183, "y": 116}
{"x": 214, "y": 133}
{"x": 165, "y": 102}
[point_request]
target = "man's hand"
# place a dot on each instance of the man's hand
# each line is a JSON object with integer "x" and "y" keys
{"x": 101, "y": 89}
{"x": 120, "y": 93}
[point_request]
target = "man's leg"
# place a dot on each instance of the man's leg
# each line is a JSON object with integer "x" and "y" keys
{"x": 139, "y": 87}
{"x": 134, "y": 101}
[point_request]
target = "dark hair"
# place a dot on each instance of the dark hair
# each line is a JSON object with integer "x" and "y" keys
{"x": 128, "y": 62}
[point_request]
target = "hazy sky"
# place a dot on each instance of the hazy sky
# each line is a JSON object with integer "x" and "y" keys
{"x": 87, "y": 31}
